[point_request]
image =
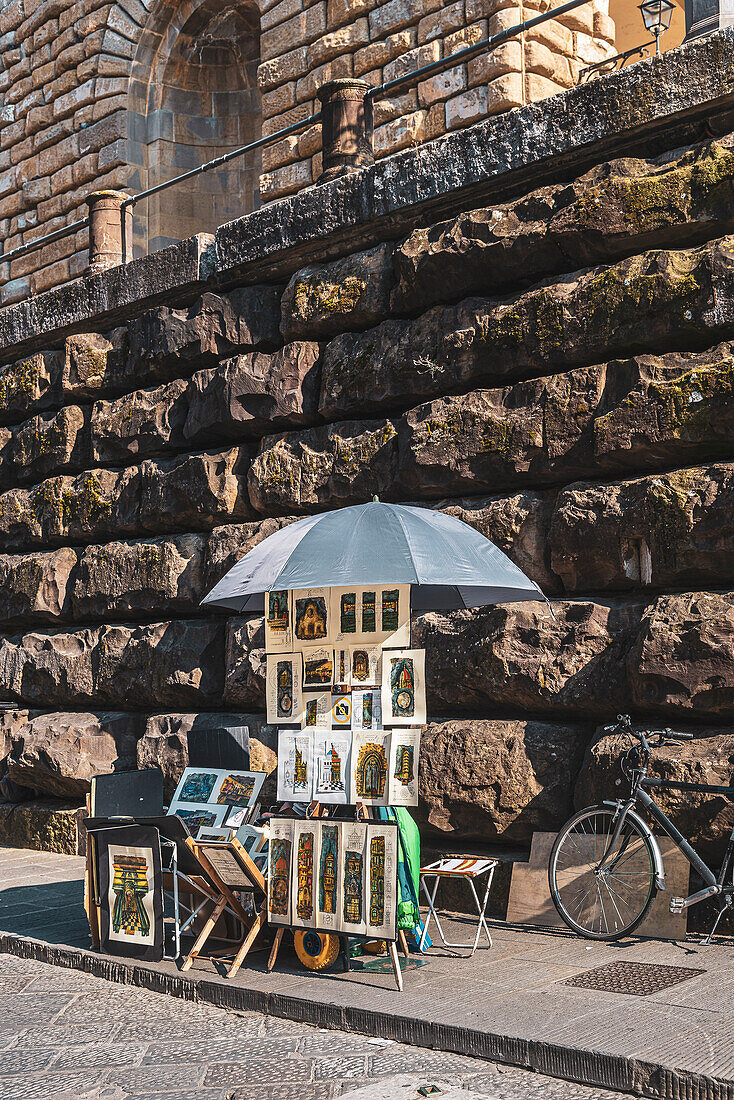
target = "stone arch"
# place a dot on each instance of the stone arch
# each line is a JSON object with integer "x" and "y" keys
{"x": 193, "y": 96}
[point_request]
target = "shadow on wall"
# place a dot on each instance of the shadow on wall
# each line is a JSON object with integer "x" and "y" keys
{"x": 194, "y": 96}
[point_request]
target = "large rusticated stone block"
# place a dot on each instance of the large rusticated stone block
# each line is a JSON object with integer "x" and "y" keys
{"x": 519, "y": 657}
{"x": 616, "y": 209}
{"x": 674, "y": 529}
{"x": 93, "y": 363}
{"x": 58, "y": 753}
{"x": 10, "y": 722}
{"x": 140, "y": 423}
{"x": 47, "y": 444}
{"x": 498, "y": 780}
{"x": 518, "y": 525}
{"x": 350, "y": 293}
{"x": 29, "y": 385}
{"x": 177, "y": 664}
{"x": 244, "y": 681}
{"x": 230, "y": 542}
{"x": 36, "y": 585}
{"x": 138, "y": 578}
{"x": 660, "y": 300}
{"x": 195, "y": 491}
{"x": 164, "y": 745}
{"x": 51, "y": 669}
{"x": 254, "y": 393}
{"x": 705, "y": 819}
{"x": 682, "y": 657}
{"x": 643, "y": 413}
{"x": 165, "y": 342}
{"x": 44, "y": 825}
{"x": 96, "y": 504}
{"x": 329, "y": 466}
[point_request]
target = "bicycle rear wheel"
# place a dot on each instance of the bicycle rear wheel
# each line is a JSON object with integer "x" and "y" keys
{"x": 602, "y": 904}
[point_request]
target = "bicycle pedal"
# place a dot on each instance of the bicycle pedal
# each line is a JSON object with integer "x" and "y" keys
{"x": 677, "y": 905}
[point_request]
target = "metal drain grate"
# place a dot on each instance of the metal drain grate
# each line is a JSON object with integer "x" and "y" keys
{"x": 636, "y": 979}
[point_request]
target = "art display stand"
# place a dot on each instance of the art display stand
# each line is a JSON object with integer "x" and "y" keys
{"x": 316, "y": 812}
{"x": 230, "y": 869}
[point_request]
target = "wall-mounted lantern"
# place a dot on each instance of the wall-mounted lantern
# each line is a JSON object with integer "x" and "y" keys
{"x": 656, "y": 15}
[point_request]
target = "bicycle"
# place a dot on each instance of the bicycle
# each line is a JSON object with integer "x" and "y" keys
{"x": 606, "y": 867}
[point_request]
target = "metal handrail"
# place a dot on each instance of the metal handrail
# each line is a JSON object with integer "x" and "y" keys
{"x": 434, "y": 68}
{"x": 38, "y": 242}
{"x": 65, "y": 231}
{"x": 292, "y": 129}
{"x": 440, "y": 66}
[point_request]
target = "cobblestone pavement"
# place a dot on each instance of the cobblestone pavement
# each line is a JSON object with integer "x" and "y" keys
{"x": 66, "y": 1034}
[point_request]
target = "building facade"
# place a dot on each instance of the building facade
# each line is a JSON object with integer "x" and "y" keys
{"x": 125, "y": 95}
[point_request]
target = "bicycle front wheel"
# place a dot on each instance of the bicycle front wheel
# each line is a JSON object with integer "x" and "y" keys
{"x": 606, "y": 903}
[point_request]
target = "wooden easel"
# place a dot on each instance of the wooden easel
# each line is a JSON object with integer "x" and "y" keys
{"x": 318, "y": 810}
{"x": 228, "y": 867}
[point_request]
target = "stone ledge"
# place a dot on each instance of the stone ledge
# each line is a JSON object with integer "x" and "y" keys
{"x": 106, "y": 299}
{"x": 652, "y": 106}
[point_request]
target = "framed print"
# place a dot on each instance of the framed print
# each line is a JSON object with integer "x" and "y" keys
{"x": 197, "y": 817}
{"x": 318, "y": 666}
{"x": 278, "y": 622}
{"x": 403, "y": 687}
{"x": 341, "y": 711}
{"x": 303, "y": 883}
{"x": 238, "y": 789}
{"x": 352, "y": 897}
{"x": 394, "y": 615}
{"x": 342, "y": 677}
{"x": 283, "y": 688}
{"x": 196, "y": 785}
{"x": 317, "y": 710}
{"x": 381, "y": 879}
{"x": 403, "y": 767}
{"x": 311, "y": 617}
{"x": 369, "y": 767}
{"x": 205, "y": 834}
{"x": 367, "y": 709}
{"x": 280, "y": 854}
{"x": 365, "y": 665}
{"x": 131, "y": 892}
{"x": 331, "y": 767}
{"x": 295, "y": 764}
{"x": 328, "y": 874}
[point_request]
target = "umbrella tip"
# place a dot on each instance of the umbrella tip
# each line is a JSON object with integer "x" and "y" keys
{"x": 375, "y": 499}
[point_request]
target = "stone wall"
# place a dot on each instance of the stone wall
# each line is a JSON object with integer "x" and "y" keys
{"x": 126, "y": 95}
{"x": 553, "y": 366}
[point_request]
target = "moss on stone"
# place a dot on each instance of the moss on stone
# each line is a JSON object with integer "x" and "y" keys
{"x": 312, "y": 298}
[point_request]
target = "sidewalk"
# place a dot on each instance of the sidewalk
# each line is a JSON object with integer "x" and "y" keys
{"x": 507, "y": 1004}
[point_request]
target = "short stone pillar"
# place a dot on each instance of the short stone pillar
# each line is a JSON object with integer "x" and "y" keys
{"x": 110, "y": 230}
{"x": 346, "y": 127}
{"x": 705, "y": 16}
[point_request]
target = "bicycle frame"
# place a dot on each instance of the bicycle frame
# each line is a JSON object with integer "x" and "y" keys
{"x": 714, "y": 883}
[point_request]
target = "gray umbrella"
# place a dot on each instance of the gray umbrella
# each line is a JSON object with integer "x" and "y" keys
{"x": 448, "y": 563}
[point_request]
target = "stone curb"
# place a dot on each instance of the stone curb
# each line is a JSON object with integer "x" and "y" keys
{"x": 586, "y": 1067}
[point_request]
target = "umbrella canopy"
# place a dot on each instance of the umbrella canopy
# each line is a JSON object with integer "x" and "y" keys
{"x": 448, "y": 563}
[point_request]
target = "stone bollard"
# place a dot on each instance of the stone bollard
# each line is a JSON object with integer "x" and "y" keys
{"x": 110, "y": 237}
{"x": 346, "y": 127}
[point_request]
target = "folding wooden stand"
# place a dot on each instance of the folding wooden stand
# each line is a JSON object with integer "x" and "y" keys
{"x": 229, "y": 868}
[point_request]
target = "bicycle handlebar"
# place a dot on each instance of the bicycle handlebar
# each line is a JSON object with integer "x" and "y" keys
{"x": 624, "y": 724}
